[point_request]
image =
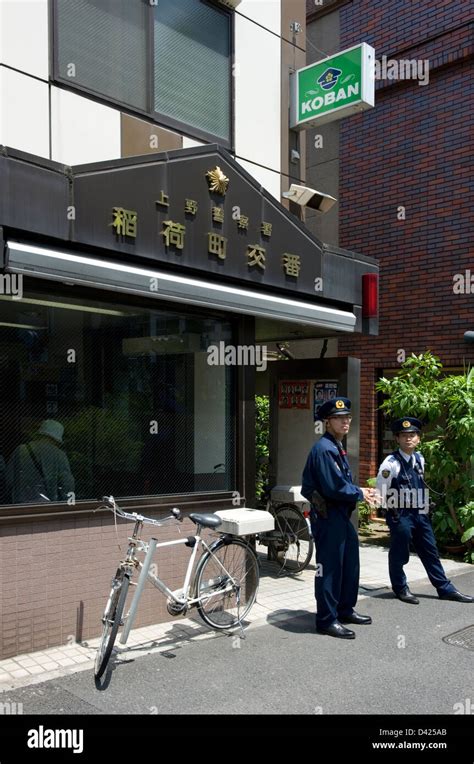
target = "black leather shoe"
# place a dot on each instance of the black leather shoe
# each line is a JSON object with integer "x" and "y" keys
{"x": 356, "y": 618}
{"x": 456, "y": 596}
{"x": 337, "y": 630}
{"x": 406, "y": 596}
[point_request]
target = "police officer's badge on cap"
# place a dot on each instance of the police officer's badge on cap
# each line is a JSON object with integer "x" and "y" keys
{"x": 406, "y": 424}
{"x": 334, "y": 407}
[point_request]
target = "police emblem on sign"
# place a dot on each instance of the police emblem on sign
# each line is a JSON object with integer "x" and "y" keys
{"x": 385, "y": 473}
{"x": 329, "y": 78}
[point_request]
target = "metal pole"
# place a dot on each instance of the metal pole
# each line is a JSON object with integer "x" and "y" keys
{"x": 140, "y": 584}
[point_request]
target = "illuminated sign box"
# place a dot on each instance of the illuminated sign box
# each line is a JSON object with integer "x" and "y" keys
{"x": 336, "y": 87}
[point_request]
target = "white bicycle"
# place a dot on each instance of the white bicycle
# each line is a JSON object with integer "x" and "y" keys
{"x": 222, "y": 585}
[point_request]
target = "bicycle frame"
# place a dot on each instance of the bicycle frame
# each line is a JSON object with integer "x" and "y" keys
{"x": 203, "y": 579}
{"x": 272, "y": 507}
{"x": 186, "y": 598}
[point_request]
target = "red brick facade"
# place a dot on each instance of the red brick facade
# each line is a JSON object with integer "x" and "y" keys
{"x": 413, "y": 150}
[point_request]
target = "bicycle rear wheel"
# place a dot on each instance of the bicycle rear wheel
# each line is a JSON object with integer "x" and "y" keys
{"x": 291, "y": 544}
{"x": 226, "y": 595}
{"x": 112, "y": 620}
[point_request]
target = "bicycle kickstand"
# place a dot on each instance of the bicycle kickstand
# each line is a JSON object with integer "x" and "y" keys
{"x": 242, "y": 633}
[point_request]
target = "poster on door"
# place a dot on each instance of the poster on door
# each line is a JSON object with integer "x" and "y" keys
{"x": 322, "y": 392}
{"x": 293, "y": 394}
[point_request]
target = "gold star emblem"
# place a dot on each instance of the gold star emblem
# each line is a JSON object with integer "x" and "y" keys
{"x": 217, "y": 181}
{"x": 406, "y": 423}
{"x": 339, "y": 404}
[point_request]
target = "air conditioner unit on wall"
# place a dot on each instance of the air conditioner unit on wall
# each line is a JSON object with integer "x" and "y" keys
{"x": 232, "y": 4}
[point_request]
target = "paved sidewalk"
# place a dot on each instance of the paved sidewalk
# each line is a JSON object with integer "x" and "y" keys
{"x": 279, "y": 597}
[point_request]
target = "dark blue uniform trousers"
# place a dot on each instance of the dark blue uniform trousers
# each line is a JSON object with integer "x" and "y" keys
{"x": 416, "y": 527}
{"x": 337, "y": 554}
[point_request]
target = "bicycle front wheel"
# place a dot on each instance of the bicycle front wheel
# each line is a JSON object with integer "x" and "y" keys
{"x": 112, "y": 620}
{"x": 291, "y": 543}
{"x": 227, "y": 581}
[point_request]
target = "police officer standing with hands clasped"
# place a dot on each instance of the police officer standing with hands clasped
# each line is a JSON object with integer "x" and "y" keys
{"x": 401, "y": 485}
{"x": 327, "y": 484}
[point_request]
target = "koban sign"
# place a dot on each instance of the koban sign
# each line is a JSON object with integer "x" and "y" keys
{"x": 333, "y": 88}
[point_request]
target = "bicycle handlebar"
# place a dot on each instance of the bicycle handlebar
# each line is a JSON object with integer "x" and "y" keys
{"x": 110, "y": 503}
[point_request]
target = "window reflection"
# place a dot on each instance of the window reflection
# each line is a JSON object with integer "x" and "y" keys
{"x": 124, "y": 395}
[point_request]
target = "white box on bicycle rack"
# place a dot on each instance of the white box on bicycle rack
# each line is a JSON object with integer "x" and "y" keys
{"x": 289, "y": 493}
{"x": 244, "y": 521}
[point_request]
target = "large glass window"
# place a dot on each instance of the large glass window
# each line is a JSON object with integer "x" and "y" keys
{"x": 169, "y": 59}
{"x": 100, "y": 398}
{"x": 192, "y": 55}
{"x": 101, "y": 46}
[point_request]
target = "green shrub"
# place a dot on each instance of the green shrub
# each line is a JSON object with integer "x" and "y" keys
{"x": 446, "y": 404}
{"x": 365, "y": 510}
{"x": 262, "y": 435}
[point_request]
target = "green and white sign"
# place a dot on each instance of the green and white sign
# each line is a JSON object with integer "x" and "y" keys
{"x": 333, "y": 88}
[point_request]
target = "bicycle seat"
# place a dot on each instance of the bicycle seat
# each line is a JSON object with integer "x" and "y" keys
{"x": 207, "y": 521}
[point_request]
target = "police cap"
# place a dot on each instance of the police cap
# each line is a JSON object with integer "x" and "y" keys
{"x": 406, "y": 424}
{"x": 334, "y": 407}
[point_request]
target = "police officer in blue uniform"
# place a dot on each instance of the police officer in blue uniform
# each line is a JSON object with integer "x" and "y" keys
{"x": 327, "y": 484}
{"x": 401, "y": 485}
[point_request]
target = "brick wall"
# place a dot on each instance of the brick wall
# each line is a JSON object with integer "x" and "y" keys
{"x": 414, "y": 149}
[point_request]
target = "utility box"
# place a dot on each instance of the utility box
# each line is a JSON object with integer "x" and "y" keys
{"x": 290, "y": 494}
{"x": 244, "y": 521}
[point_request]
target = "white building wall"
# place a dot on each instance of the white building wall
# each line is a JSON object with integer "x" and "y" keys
{"x": 257, "y": 79}
{"x": 267, "y": 178}
{"x": 82, "y": 130}
{"x": 24, "y": 104}
{"x": 24, "y": 36}
{"x": 24, "y": 113}
{"x": 190, "y": 142}
{"x": 267, "y": 13}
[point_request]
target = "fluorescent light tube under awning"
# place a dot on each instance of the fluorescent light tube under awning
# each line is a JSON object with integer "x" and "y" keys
{"x": 118, "y": 277}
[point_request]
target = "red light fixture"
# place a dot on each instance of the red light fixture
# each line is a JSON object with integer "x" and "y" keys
{"x": 370, "y": 295}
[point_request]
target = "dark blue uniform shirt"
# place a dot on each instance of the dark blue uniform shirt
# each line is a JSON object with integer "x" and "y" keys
{"x": 327, "y": 470}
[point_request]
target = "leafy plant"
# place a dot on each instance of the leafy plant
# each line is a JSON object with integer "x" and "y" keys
{"x": 446, "y": 403}
{"x": 365, "y": 510}
{"x": 467, "y": 518}
{"x": 262, "y": 434}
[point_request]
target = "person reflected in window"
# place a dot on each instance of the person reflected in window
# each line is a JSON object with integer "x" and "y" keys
{"x": 39, "y": 471}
